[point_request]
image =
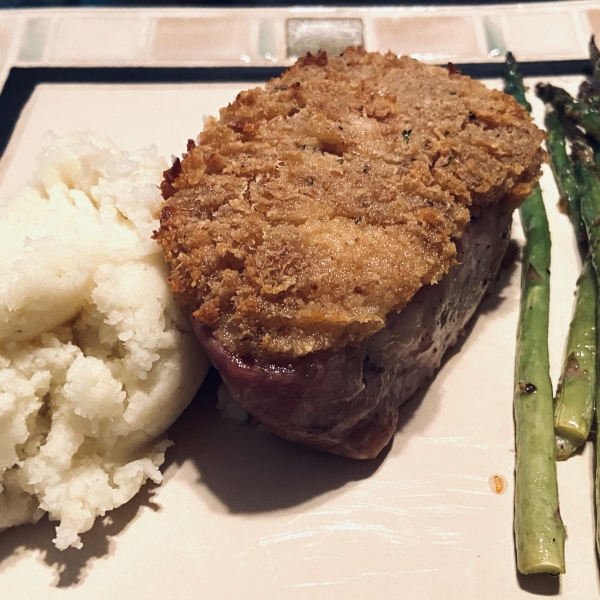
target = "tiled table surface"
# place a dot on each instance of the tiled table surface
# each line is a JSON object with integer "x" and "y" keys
{"x": 275, "y": 36}
{"x": 227, "y": 526}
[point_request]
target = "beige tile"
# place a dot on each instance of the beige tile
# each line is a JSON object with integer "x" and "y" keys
{"x": 6, "y": 36}
{"x": 97, "y": 40}
{"x": 430, "y": 38}
{"x": 331, "y": 35}
{"x": 534, "y": 35}
{"x": 219, "y": 40}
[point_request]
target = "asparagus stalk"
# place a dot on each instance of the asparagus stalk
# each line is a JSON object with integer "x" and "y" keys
{"x": 513, "y": 82}
{"x": 562, "y": 169}
{"x": 589, "y": 91}
{"x": 575, "y": 396}
{"x": 590, "y": 211}
{"x": 576, "y": 393}
{"x": 539, "y": 531}
{"x": 589, "y": 94}
{"x": 582, "y": 112}
{"x": 597, "y": 410}
{"x": 594, "y": 59}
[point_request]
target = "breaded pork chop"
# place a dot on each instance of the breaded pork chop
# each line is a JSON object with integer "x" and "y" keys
{"x": 316, "y": 206}
{"x": 309, "y": 226}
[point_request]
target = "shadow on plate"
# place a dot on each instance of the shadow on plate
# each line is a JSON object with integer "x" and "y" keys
{"x": 540, "y": 585}
{"x": 71, "y": 566}
{"x": 247, "y": 468}
{"x": 250, "y": 470}
{"x": 409, "y": 411}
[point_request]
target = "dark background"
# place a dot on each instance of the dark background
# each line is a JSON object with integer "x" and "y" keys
{"x": 41, "y": 3}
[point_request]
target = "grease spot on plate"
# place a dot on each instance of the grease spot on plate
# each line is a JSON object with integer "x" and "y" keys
{"x": 498, "y": 483}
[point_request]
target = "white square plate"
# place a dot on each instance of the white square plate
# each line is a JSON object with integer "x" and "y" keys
{"x": 244, "y": 515}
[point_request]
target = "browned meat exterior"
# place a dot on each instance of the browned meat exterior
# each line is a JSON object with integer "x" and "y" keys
{"x": 333, "y": 233}
{"x": 347, "y": 401}
{"x": 317, "y": 206}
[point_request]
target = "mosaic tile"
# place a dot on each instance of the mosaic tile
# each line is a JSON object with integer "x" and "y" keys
{"x": 6, "y": 36}
{"x": 195, "y": 40}
{"x": 494, "y": 37}
{"x": 593, "y": 18}
{"x": 33, "y": 41}
{"x": 99, "y": 39}
{"x": 429, "y": 38}
{"x": 331, "y": 35}
{"x": 267, "y": 39}
{"x": 542, "y": 35}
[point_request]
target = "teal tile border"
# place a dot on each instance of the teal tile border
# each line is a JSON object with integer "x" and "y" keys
{"x": 494, "y": 38}
{"x": 34, "y": 39}
{"x": 267, "y": 39}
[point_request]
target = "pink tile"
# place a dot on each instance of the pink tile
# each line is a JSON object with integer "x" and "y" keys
{"x": 97, "y": 40}
{"x": 535, "y": 35}
{"x": 178, "y": 40}
{"x": 6, "y": 36}
{"x": 594, "y": 21}
{"x": 431, "y": 38}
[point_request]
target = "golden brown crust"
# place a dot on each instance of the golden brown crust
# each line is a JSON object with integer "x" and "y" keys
{"x": 314, "y": 207}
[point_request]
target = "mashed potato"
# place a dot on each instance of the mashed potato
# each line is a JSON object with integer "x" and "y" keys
{"x": 96, "y": 360}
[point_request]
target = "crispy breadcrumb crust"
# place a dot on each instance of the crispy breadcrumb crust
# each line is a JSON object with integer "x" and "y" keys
{"x": 316, "y": 206}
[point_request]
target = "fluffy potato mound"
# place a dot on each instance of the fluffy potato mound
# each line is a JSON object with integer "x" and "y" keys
{"x": 96, "y": 360}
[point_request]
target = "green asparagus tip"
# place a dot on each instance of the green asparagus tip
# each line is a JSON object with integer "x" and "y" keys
{"x": 513, "y": 81}
{"x": 583, "y": 152}
{"x": 546, "y": 92}
{"x": 593, "y": 49}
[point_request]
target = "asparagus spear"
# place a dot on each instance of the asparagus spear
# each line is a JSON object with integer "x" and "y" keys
{"x": 589, "y": 94}
{"x": 576, "y": 393}
{"x": 590, "y": 211}
{"x": 563, "y": 171}
{"x": 594, "y": 59}
{"x": 589, "y": 91}
{"x": 513, "y": 82}
{"x": 539, "y": 531}
{"x": 583, "y": 112}
{"x": 575, "y": 396}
